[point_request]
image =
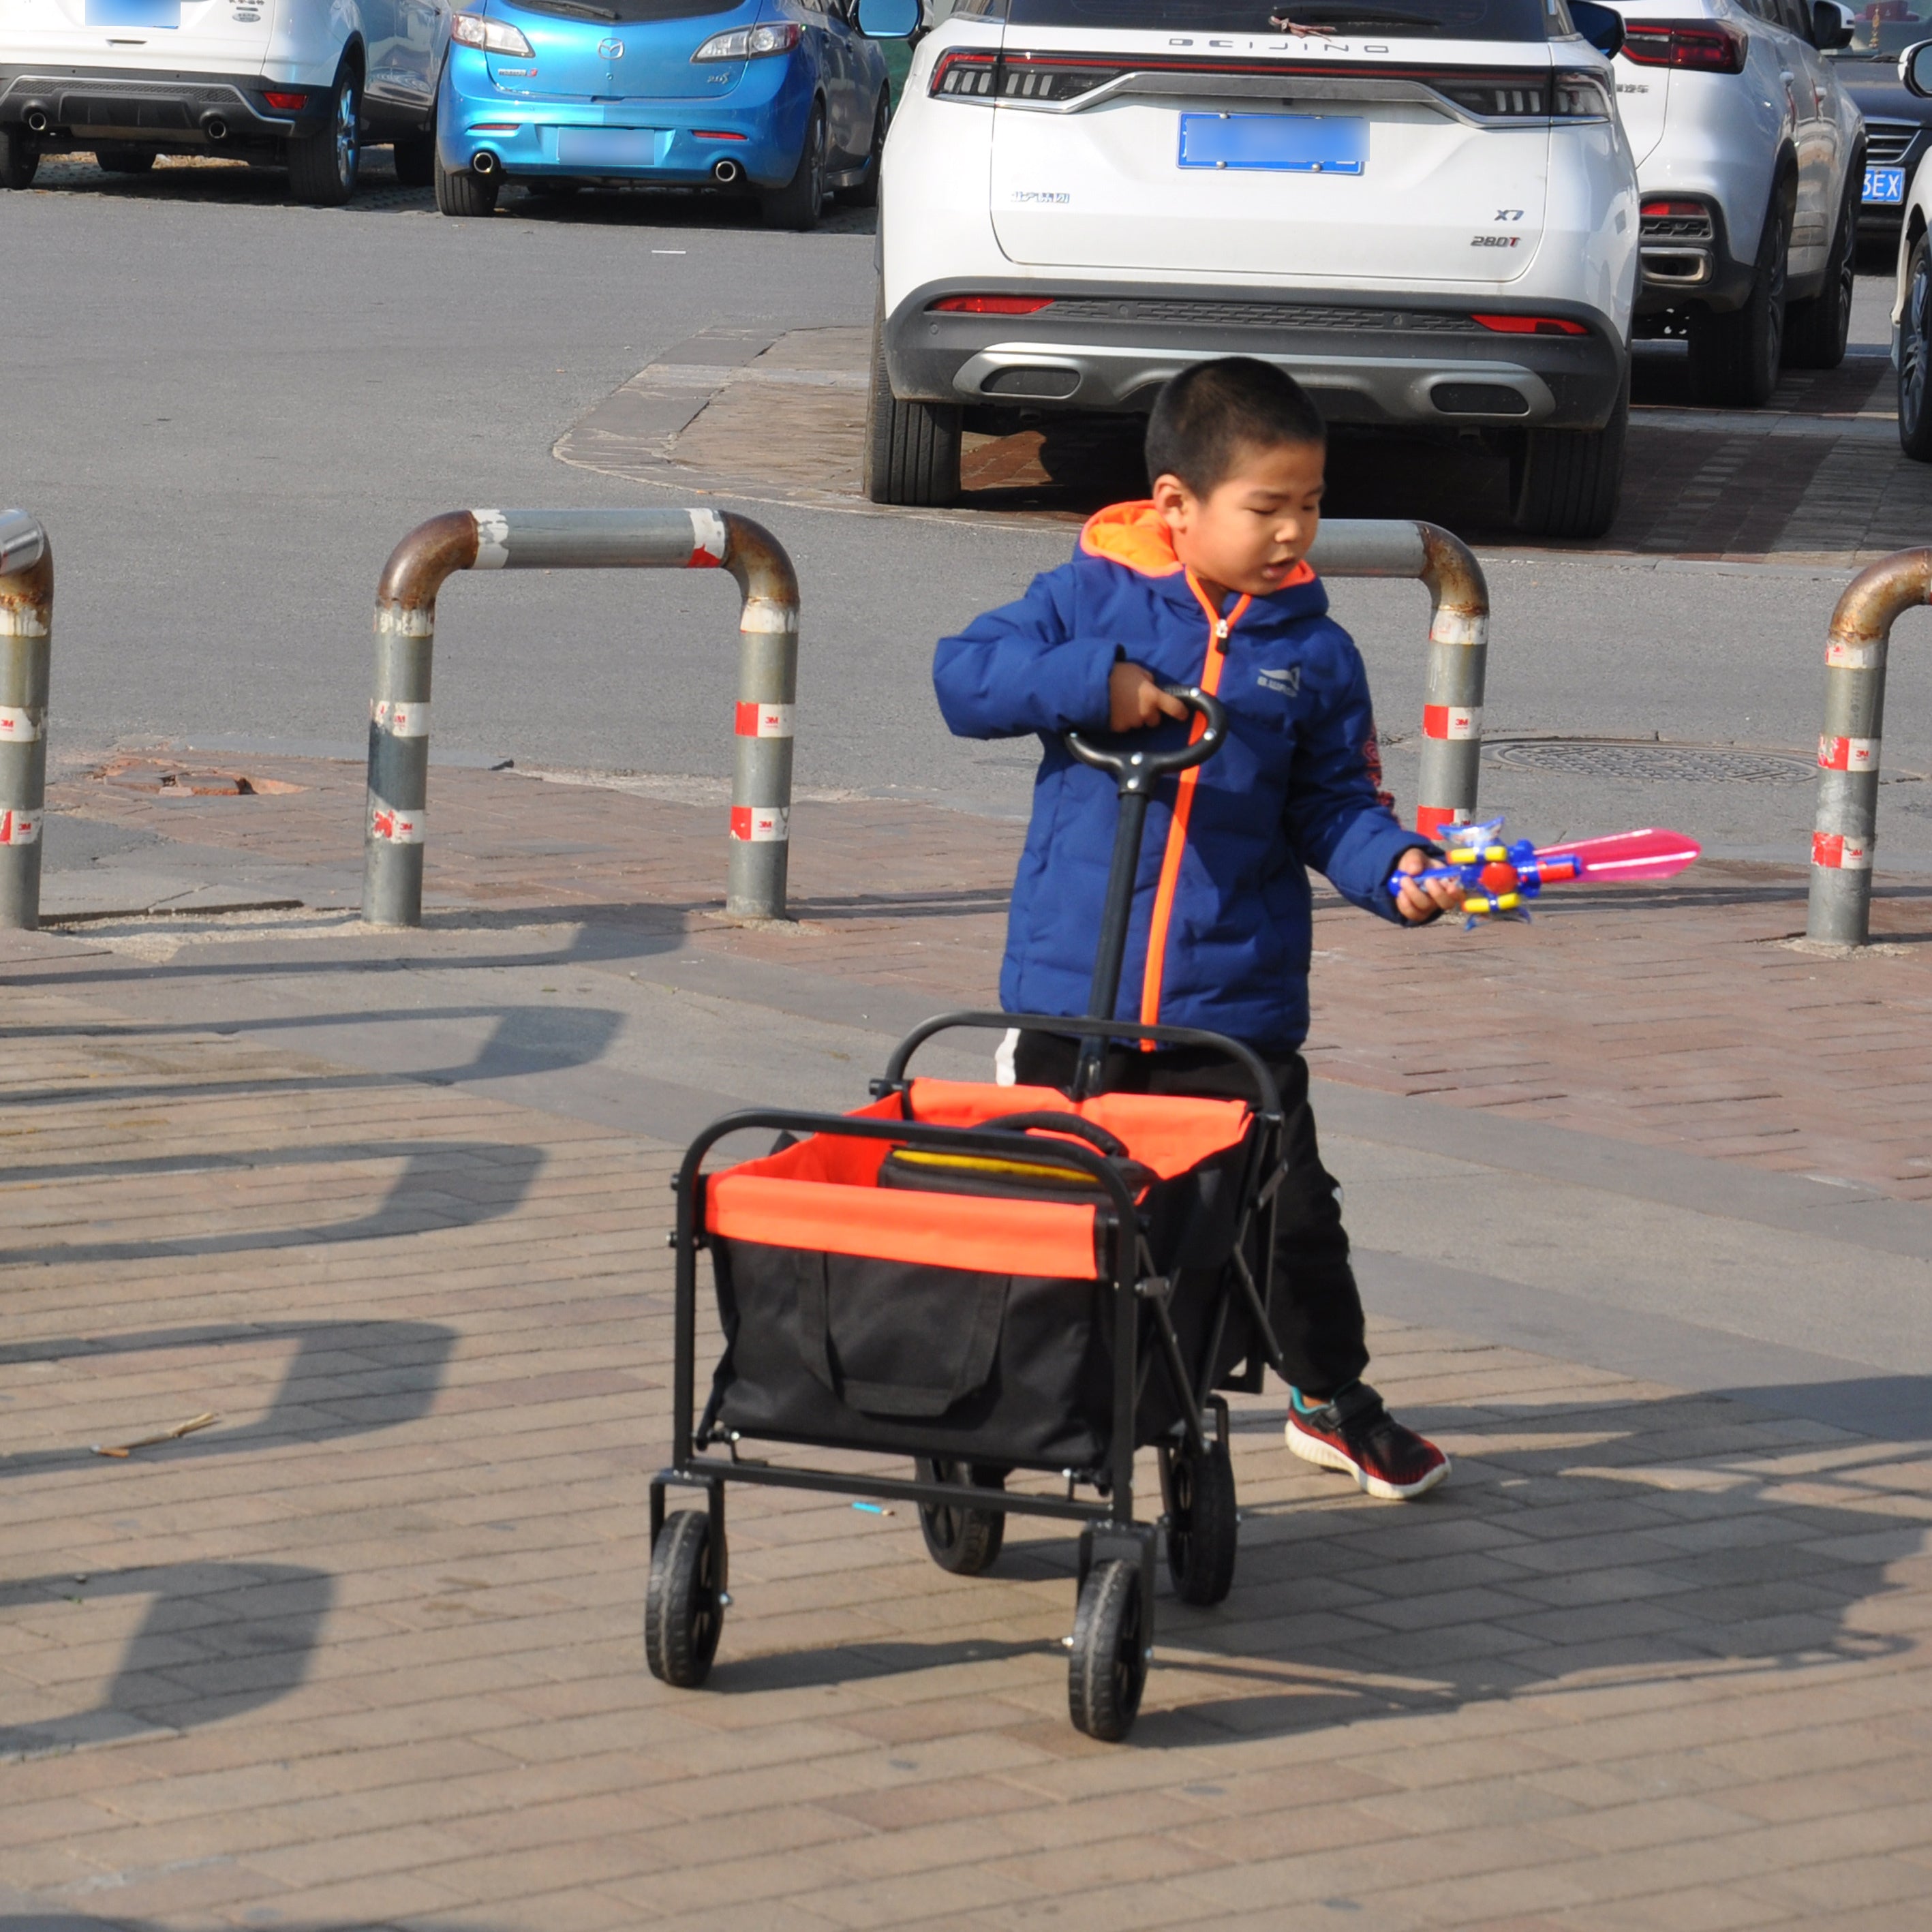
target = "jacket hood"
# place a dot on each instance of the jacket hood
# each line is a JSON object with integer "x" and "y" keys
{"x": 1136, "y": 537}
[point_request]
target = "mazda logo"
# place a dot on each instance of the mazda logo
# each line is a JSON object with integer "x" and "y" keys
{"x": 610, "y": 49}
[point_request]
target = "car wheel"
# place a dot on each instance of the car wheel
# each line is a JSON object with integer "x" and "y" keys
{"x": 865, "y": 193}
{"x": 1816, "y": 329}
{"x": 1734, "y": 357}
{"x": 797, "y": 204}
{"x": 415, "y": 159}
{"x": 19, "y": 157}
{"x": 121, "y": 157}
{"x": 912, "y": 449}
{"x": 463, "y": 191}
{"x": 322, "y": 167}
{"x": 1566, "y": 482}
{"x": 1914, "y": 357}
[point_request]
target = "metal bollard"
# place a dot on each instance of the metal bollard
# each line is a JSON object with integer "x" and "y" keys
{"x": 1845, "y": 827}
{"x": 26, "y": 631}
{"x": 583, "y": 540}
{"x": 1459, "y": 647}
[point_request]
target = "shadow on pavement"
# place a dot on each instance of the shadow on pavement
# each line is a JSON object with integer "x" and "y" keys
{"x": 217, "y": 1640}
{"x": 343, "y": 1378}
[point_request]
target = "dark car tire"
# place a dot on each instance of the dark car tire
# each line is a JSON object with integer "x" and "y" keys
{"x": 865, "y": 193}
{"x": 415, "y": 159}
{"x": 463, "y": 191}
{"x": 123, "y": 157}
{"x": 323, "y": 167}
{"x": 1816, "y": 329}
{"x": 912, "y": 449}
{"x": 1914, "y": 356}
{"x": 19, "y": 157}
{"x": 797, "y": 205}
{"x": 1734, "y": 357}
{"x": 1566, "y": 482}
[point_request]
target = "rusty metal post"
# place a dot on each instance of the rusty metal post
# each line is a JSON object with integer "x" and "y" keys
{"x": 1459, "y": 647}
{"x": 422, "y": 563}
{"x": 1845, "y": 827}
{"x": 26, "y": 634}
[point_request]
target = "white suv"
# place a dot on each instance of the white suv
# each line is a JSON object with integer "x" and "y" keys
{"x": 1751, "y": 158}
{"x": 1425, "y": 210}
{"x": 293, "y": 81}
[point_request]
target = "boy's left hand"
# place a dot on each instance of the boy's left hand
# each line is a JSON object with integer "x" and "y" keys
{"x": 1433, "y": 897}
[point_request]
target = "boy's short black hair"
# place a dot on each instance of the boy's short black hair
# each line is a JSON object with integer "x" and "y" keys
{"x": 1207, "y": 415}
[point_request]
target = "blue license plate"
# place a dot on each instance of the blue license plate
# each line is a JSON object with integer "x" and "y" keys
{"x": 1885, "y": 186}
{"x": 133, "y": 13}
{"x": 1290, "y": 144}
{"x": 607, "y": 147}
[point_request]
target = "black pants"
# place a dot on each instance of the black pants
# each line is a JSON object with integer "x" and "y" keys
{"x": 1314, "y": 1305}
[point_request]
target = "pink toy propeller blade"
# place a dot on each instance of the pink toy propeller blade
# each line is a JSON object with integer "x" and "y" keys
{"x": 1649, "y": 854}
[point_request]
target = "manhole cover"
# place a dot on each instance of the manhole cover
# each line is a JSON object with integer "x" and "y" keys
{"x": 1655, "y": 764}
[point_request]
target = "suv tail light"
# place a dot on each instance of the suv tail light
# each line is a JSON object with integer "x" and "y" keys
{"x": 286, "y": 103}
{"x": 1702, "y": 46}
{"x": 991, "y": 304}
{"x": 1531, "y": 324}
{"x": 1567, "y": 94}
{"x": 1674, "y": 218}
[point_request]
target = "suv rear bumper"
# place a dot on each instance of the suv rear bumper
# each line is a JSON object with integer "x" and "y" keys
{"x": 1381, "y": 359}
{"x": 82, "y": 104}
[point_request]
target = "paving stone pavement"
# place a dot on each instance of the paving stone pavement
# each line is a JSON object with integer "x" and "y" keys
{"x": 367, "y": 1650}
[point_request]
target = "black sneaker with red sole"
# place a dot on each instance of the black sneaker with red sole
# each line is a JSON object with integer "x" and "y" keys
{"x": 1354, "y": 1433}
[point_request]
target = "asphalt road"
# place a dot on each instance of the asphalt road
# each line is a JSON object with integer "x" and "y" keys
{"x": 228, "y": 410}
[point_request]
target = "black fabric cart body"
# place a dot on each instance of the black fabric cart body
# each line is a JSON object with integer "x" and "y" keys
{"x": 988, "y": 1279}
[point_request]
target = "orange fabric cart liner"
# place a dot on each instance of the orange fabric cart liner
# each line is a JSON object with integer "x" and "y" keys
{"x": 823, "y": 1195}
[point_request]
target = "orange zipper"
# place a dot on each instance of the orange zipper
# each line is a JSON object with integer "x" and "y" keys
{"x": 1218, "y": 629}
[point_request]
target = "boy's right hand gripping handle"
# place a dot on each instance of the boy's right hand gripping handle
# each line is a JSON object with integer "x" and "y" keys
{"x": 1137, "y": 771}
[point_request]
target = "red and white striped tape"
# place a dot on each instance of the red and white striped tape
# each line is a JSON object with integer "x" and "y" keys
{"x": 1848, "y": 755}
{"x": 19, "y": 828}
{"x": 761, "y": 824}
{"x": 766, "y": 720}
{"x": 1452, "y": 721}
{"x": 1840, "y": 852}
{"x": 396, "y": 826}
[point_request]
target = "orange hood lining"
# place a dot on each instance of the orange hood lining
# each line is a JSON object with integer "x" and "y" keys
{"x": 1135, "y": 536}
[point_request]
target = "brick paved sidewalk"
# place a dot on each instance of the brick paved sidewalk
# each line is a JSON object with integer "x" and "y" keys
{"x": 367, "y": 1651}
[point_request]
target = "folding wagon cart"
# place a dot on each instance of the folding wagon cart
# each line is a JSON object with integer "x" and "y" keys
{"x": 987, "y": 1280}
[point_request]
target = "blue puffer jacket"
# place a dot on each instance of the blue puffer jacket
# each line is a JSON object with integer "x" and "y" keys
{"x": 1221, "y": 885}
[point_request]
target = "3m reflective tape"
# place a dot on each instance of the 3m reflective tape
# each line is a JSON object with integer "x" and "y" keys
{"x": 394, "y": 826}
{"x": 1840, "y": 853}
{"x": 761, "y": 824}
{"x": 392, "y": 621}
{"x": 1457, "y": 627}
{"x": 18, "y": 725}
{"x": 1452, "y": 721}
{"x": 492, "y": 540}
{"x": 708, "y": 541}
{"x": 19, "y": 828}
{"x": 1852, "y": 657}
{"x": 766, "y": 720}
{"x": 1848, "y": 755}
{"x": 400, "y": 717}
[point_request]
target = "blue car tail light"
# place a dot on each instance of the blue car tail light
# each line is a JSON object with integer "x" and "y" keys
{"x": 495, "y": 36}
{"x": 750, "y": 43}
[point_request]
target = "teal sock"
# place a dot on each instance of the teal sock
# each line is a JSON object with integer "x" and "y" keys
{"x": 1304, "y": 1407}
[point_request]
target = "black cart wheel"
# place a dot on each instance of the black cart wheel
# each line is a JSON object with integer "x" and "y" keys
{"x": 683, "y": 1611}
{"x": 1108, "y": 1670}
{"x": 965, "y": 1541}
{"x": 1202, "y": 1527}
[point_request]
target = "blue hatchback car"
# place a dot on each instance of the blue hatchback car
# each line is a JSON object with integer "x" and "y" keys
{"x": 788, "y": 99}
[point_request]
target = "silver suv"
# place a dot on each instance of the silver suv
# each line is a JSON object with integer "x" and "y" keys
{"x": 1749, "y": 158}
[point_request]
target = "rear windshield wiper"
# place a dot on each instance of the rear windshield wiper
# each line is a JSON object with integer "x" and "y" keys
{"x": 589, "y": 13}
{"x": 1327, "y": 20}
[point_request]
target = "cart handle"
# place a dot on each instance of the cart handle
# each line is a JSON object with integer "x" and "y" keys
{"x": 1267, "y": 1096}
{"x": 1047, "y": 1121}
{"x": 1137, "y": 772}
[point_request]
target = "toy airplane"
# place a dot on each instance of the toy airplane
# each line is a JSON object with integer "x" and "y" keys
{"x": 1498, "y": 878}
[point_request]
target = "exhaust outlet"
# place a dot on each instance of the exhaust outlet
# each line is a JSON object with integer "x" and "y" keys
{"x": 485, "y": 163}
{"x": 725, "y": 172}
{"x": 215, "y": 128}
{"x": 37, "y": 121}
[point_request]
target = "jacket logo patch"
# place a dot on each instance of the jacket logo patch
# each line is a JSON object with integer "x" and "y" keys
{"x": 1288, "y": 682}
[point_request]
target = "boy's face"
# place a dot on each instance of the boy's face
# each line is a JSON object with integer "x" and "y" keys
{"x": 1250, "y": 532}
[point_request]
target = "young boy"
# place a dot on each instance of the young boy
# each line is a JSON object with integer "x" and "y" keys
{"x": 1205, "y": 585}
